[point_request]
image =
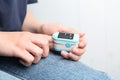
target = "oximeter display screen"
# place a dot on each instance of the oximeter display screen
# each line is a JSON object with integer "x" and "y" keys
{"x": 65, "y": 35}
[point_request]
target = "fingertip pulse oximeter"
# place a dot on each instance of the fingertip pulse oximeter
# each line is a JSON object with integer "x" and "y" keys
{"x": 65, "y": 41}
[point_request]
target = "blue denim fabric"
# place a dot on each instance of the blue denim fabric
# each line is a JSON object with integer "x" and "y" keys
{"x": 54, "y": 67}
{"x": 6, "y": 76}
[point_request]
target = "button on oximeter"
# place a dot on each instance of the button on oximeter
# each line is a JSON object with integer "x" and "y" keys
{"x": 68, "y": 45}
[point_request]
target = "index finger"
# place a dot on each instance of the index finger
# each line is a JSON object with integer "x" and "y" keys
{"x": 49, "y": 38}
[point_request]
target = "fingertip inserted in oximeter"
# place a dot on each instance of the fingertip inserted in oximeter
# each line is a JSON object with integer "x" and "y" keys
{"x": 65, "y": 41}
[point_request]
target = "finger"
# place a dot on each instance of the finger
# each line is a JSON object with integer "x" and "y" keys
{"x": 82, "y": 43}
{"x": 26, "y": 57}
{"x": 82, "y": 34}
{"x": 63, "y": 28}
{"x": 24, "y": 63}
{"x": 50, "y": 41}
{"x": 49, "y": 38}
{"x": 43, "y": 43}
{"x": 78, "y": 51}
{"x": 71, "y": 30}
{"x": 65, "y": 54}
{"x": 74, "y": 57}
{"x": 45, "y": 46}
{"x": 36, "y": 51}
{"x": 51, "y": 45}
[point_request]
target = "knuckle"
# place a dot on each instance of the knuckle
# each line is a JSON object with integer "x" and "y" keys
{"x": 44, "y": 25}
{"x": 23, "y": 39}
{"x": 39, "y": 53}
{"x": 45, "y": 42}
{"x": 24, "y": 36}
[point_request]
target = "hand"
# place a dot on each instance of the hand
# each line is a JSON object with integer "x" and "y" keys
{"x": 76, "y": 53}
{"x": 29, "y": 47}
{"x": 52, "y": 28}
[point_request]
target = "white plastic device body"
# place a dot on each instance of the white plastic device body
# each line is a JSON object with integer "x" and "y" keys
{"x": 65, "y": 41}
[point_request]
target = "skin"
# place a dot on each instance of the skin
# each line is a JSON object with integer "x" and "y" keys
{"x": 35, "y": 41}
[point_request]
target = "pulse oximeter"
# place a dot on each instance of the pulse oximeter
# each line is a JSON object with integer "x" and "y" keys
{"x": 65, "y": 41}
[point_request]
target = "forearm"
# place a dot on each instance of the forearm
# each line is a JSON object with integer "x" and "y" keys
{"x": 31, "y": 23}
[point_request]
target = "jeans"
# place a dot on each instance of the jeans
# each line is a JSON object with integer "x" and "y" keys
{"x": 54, "y": 67}
{"x": 6, "y": 76}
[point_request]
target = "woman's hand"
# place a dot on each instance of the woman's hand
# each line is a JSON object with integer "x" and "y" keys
{"x": 29, "y": 47}
{"x": 76, "y": 53}
{"x": 34, "y": 25}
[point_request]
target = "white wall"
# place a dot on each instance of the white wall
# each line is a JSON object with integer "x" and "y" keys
{"x": 58, "y": 11}
{"x": 99, "y": 19}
